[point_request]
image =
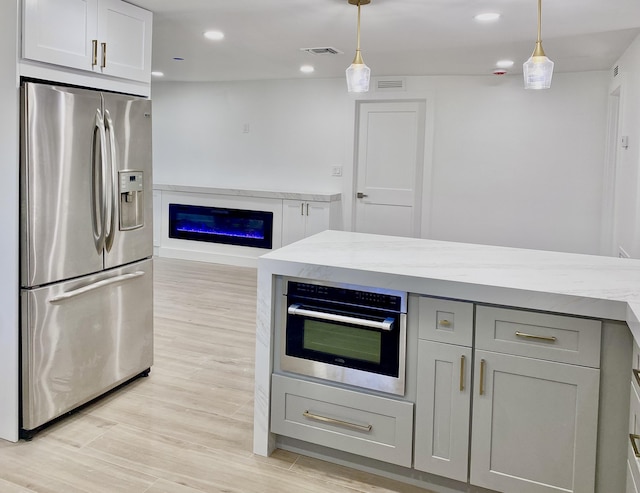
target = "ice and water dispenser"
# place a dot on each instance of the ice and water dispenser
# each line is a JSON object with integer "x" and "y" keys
{"x": 131, "y": 200}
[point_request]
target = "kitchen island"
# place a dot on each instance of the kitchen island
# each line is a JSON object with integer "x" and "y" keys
{"x": 547, "y": 284}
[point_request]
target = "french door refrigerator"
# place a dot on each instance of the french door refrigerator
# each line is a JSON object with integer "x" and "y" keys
{"x": 86, "y": 245}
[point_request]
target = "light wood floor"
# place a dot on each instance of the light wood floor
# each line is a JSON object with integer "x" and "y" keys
{"x": 187, "y": 428}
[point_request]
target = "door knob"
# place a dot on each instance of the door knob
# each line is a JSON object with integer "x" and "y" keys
{"x": 361, "y": 195}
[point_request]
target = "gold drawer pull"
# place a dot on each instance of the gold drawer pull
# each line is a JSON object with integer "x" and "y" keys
{"x": 636, "y": 373}
{"x": 634, "y": 445}
{"x": 104, "y": 55}
{"x": 445, "y": 323}
{"x": 539, "y": 338}
{"x": 482, "y": 365}
{"x": 346, "y": 424}
{"x": 462, "y": 373}
{"x": 94, "y": 59}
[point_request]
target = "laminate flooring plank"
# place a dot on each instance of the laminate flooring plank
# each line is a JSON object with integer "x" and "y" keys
{"x": 188, "y": 427}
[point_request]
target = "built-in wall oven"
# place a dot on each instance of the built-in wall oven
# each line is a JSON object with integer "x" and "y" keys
{"x": 349, "y": 334}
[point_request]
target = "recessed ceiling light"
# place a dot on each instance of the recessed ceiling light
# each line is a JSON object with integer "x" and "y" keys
{"x": 157, "y": 74}
{"x": 214, "y": 35}
{"x": 306, "y": 69}
{"x": 504, "y": 63}
{"x": 487, "y": 17}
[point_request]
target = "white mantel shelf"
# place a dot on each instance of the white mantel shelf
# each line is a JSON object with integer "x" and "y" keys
{"x": 241, "y": 192}
{"x": 584, "y": 285}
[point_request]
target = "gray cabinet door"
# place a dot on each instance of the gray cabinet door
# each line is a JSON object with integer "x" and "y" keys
{"x": 534, "y": 425}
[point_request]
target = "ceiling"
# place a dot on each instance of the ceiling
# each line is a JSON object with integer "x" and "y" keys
{"x": 263, "y": 38}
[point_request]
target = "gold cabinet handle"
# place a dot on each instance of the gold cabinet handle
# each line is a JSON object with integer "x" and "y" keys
{"x": 445, "y": 323}
{"x": 636, "y": 373}
{"x": 539, "y": 338}
{"x": 633, "y": 438}
{"x": 482, "y": 365}
{"x": 104, "y": 55}
{"x": 346, "y": 424}
{"x": 94, "y": 58}
{"x": 462, "y": 359}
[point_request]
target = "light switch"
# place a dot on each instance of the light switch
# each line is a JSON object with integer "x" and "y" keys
{"x": 624, "y": 141}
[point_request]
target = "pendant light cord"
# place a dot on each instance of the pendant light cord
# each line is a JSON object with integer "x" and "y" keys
{"x": 358, "y": 44}
{"x": 539, "y": 19}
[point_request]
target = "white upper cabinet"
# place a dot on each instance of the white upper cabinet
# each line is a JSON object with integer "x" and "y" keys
{"x": 124, "y": 32}
{"x": 108, "y": 37}
{"x": 60, "y": 32}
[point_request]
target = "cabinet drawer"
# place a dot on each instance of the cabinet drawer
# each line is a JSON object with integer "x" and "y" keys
{"x": 354, "y": 422}
{"x": 446, "y": 321}
{"x": 633, "y": 474}
{"x": 539, "y": 335}
{"x": 633, "y": 462}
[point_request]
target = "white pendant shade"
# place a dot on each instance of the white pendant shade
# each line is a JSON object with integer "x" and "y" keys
{"x": 358, "y": 76}
{"x": 538, "y": 71}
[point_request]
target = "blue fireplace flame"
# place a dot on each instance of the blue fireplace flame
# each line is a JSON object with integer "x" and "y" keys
{"x": 221, "y": 225}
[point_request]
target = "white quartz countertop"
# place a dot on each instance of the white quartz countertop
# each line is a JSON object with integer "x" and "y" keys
{"x": 587, "y": 285}
{"x": 241, "y": 192}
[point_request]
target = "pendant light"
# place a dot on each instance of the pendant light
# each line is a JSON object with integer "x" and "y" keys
{"x": 358, "y": 74}
{"x": 538, "y": 70}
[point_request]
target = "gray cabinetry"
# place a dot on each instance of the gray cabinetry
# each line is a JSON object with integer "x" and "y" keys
{"x": 633, "y": 457}
{"x": 362, "y": 424}
{"x": 535, "y": 394}
{"x": 534, "y": 424}
{"x": 443, "y": 397}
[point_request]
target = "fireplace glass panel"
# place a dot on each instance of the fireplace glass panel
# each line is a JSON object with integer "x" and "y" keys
{"x": 221, "y": 225}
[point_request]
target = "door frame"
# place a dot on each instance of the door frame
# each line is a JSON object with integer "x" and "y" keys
{"x": 422, "y": 205}
{"x": 610, "y": 205}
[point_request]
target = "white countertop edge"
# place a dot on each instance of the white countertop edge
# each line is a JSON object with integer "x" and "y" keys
{"x": 605, "y": 309}
{"x": 268, "y": 194}
{"x": 633, "y": 320}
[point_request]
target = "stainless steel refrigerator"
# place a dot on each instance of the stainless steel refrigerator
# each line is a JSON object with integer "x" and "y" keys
{"x": 86, "y": 246}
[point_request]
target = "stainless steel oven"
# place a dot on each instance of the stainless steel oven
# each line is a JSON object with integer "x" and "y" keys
{"x": 344, "y": 333}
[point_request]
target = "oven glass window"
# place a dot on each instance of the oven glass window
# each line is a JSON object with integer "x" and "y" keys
{"x": 342, "y": 341}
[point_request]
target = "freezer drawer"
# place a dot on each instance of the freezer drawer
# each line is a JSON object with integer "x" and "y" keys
{"x": 83, "y": 337}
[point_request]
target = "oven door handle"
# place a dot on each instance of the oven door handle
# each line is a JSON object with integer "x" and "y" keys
{"x": 386, "y": 324}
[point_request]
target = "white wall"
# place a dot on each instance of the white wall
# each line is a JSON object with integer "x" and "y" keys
{"x": 9, "y": 219}
{"x": 297, "y": 131}
{"x": 520, "y": 168}
{"x": 627, "y": 169}
{"x": 504, "y": 166}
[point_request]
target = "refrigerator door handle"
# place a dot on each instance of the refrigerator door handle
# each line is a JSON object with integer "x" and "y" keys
{"x": 111, "y": 200}
{"x": 96, "y": 285}
{"x": 98, "y": 184}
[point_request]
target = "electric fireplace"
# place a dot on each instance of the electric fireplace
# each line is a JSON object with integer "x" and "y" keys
{"x": 221, "y": 225}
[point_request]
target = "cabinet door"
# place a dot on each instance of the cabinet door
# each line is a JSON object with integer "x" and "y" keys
{"x": 317, "y": 214}
{"x": 534, "y": 425}
{"x": 61, "y": 32}
{"x": 443, "y": 405}
{"x": 293, "y": 221}
{"x": 124, "y": 31}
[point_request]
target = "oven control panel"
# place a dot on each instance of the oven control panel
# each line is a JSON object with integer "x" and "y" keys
{"x": 357, "y": 297}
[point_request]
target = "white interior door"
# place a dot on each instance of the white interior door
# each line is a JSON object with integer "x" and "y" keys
{"x": 390, "y": 159}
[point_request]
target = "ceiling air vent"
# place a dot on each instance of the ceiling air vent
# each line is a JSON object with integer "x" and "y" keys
{"x": 391, "y": 84}
{"x": 615, "y": 71}
{"x": 327, "y": 50}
